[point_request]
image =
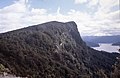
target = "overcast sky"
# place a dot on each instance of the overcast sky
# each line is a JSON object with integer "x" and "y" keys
{"x": 93, "y": 17}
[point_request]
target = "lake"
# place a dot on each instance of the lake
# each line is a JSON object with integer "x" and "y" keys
{"x": 107, "y": 47}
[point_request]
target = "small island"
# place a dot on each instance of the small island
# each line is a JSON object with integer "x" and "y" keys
{"x": 116, "y": 44}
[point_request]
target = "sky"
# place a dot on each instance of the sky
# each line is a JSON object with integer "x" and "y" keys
{"x": 93, "y": 17}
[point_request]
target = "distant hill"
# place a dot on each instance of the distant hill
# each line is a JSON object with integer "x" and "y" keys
{"x": 116, "y": 44}
{"x": 52, "y": 50}
{"x": 102, "y": 39}
{"x": 91, "y": 44}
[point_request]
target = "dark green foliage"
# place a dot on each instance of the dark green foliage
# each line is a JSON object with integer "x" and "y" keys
{"x": 52, "y": 50}
{"x": 116, "y": 67}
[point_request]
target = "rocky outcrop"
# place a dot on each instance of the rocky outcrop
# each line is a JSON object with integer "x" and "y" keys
{"x": 52, "y": 50}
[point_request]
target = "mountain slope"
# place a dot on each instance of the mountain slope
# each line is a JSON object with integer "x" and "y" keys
{"x": 52, "y": 50}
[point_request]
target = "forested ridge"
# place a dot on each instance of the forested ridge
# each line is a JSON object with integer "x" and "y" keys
{"x": 53, "y": 50}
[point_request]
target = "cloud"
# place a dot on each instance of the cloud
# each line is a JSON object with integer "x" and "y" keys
{"x": 11, "y": 15}
{"x": 38, "y": 11}
{"x": 80, "y": 1}
{"x": 101, "y": 22}
{"x": 105, "y": 7}
{"x": 90, "y": 2}
{"x": 19, "y": 15}
{"x": 108, "y": 3}
{"x": 93, "y": 2}
{"x": 58, "y": 10}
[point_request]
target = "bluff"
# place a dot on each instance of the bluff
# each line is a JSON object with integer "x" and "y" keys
{"x": 53, "y": 50}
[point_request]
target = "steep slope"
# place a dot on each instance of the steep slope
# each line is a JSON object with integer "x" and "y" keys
{"x": 52, "y": 50}
{"x": 116, "y": 72}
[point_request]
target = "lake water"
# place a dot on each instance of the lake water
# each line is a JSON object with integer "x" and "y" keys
{"x": 107, "y": 47}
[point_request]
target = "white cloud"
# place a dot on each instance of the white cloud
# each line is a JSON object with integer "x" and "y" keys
{"x": 106, "y": 18}
{"x": 114, "y": 15}
{"x": 106, "y": 6}
{"x": 93, "y": 2}
{"x": 38, "y": 11}
{"x": 108, "y": 3}
{"x": 17, "y": 7}
{"x": 58, "y": 10}
{"x": 80, "y": 1}
{"x": 19, "y": 15}
{"x": 11, "y": 15}
{"x": 90, "y": 2}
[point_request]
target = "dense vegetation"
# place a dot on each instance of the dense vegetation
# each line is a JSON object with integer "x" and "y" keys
{"x": 53, "y": 50}
{"x": 116, "y": 67}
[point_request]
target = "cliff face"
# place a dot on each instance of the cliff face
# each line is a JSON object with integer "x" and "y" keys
{"x": 52, "y": 50}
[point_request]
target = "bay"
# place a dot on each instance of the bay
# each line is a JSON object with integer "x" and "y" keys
{"x": 107, "y": 47}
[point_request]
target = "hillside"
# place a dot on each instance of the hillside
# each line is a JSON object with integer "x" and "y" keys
{"x": 53, "y": 50}
{"x": 116, "y": 67}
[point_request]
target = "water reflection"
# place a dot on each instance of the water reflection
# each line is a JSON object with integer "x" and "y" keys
{"x": 107, "y": 47}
